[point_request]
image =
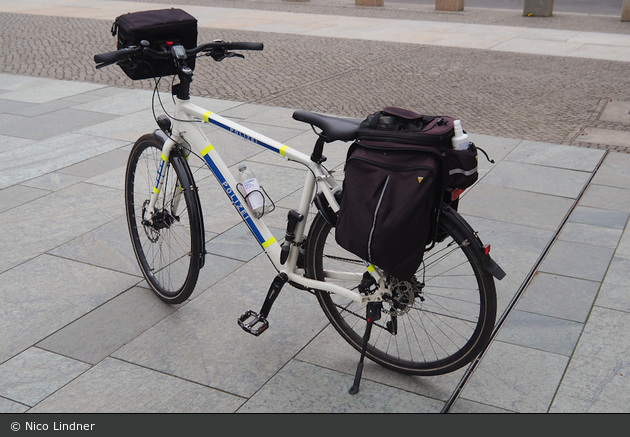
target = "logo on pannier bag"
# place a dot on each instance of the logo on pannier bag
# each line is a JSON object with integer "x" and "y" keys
{"x": 420, "y": 180}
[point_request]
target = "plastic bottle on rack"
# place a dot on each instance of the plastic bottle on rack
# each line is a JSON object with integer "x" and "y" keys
{"x": 253, "y": 193}
{"x": 460, "y": 140}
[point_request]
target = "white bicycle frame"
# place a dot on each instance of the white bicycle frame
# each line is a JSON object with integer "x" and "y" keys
{"x": 186, "y": 128}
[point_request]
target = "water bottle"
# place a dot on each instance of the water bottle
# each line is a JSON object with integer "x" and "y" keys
{"x": 460, "y": 140}
{"x": 253, "y": 193}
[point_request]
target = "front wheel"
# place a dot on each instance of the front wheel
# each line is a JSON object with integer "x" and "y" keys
{"x": 168, "y": 245}
{"x": 434, "y": 324}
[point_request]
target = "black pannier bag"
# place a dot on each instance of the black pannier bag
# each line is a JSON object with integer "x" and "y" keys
{"x": 161, "y": 28}
{"x": 395, "y": 173}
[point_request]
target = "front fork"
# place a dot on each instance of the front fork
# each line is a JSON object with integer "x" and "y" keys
{"x": 162, "y": 171}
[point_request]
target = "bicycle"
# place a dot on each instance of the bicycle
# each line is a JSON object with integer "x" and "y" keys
{"x": 434, "y": 324}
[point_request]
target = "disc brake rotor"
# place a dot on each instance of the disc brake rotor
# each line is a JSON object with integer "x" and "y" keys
{"x": 404, "y": 295}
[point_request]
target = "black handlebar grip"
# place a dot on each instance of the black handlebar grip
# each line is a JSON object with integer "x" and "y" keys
{"x": 111, "y": 57}
{"x": 245, "y": 46}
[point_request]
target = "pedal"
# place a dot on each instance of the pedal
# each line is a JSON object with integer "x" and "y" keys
{"x": 253, "y": 323}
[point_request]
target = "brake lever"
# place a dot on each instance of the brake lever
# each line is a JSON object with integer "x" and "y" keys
{"x": 219, "y": 55}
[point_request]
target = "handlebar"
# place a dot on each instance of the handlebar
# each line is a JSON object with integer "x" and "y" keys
{"x": 215, "y": 47}
{"x": 112, "y": 57}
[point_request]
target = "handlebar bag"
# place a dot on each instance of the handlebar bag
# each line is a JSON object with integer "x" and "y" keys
{"x": 395, "y": 173}
{"x": 161, "y": 28}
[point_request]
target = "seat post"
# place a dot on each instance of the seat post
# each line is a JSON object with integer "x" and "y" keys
{"x": 317, "y": 156}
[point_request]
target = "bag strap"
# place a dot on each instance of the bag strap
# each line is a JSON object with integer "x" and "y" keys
{"x": 402, "y": 113}
{"x": 375, "y": 118}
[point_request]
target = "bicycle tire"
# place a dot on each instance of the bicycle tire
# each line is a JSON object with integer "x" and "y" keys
{"x": 438, "y": 335}
{"x": 169, "y": 250}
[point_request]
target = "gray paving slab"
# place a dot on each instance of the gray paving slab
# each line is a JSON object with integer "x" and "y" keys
{"x": 33, "y": 111}
{"x": 48, "y": 124}
{"x": 53, "y": 181}
{"x": 614, "y": 171}
{"x": 541, "y": 332}
{"x": 202, "y": 342}
{"x": 35, "y": 232}
{"x": 10, "y": 143}
{"x": 13, "y": 107}
{"x": 300, "y": 387}
{"x": 107, "y": 246}
{"x": 118, "y": 387}
{"x": 623, "y": 250}
{"x": 218, "y": 212}
{"x": 464, "y": 406}
{"x": 121, "y": 104}
{"x": 237, "y": 243}
{"x": 611, "y": 198}
{"x": 577, "y": 260}
{"x": 232, "y": 149}
{"x": 57, "y": 292}
{"x": 330, "y": 351}
{"x": 613, "y": 296}
{"x": 589, "y": 234}
{"x": 556, "y": 155}
{"x": 97, "y": 165}
{"x": 114, "y": 178}
{"x": 618, "y": 272}
{"x": 616, "y": 111}
{"x": 215, "y": 269}
{"x": 613, "y": 137}
{"x": 516, "y": 378}
{"x": 538, "y": 179}
{"x": 596, "y": 380}
{"x": 7, "y": 406}
{"x": 49, "y": 155}
{"x": 514, "y": 247}
{"x": 40, "y": 90}
{"x": 516, "y": 206}
{"x": 35, "y": 374}
{"x": 17, "y": 195}
{"x": 96, "y": 335}
{"x": 559, "y": 296}
{"x": 599, "y": 217}
{"x": 128, "y": 128}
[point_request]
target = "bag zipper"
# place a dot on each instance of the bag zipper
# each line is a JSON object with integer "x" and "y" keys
{"x": 378, "y": 206}
{"x": 391, "y": 167}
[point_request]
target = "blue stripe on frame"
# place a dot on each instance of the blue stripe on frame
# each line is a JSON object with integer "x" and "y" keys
{"x": 244, "y": 136}
{"x": 239, "y": 206}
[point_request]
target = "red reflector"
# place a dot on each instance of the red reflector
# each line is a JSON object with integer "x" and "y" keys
{"x": 456, "y": 193}
{"x": 486, "y": 249}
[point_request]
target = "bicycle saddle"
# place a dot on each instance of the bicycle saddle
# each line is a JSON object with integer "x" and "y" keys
{"x": 333, "y": 128}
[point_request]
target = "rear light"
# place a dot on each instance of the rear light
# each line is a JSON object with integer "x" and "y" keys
{"x": 456, "y": 193}
{"x": 486, "y": 249}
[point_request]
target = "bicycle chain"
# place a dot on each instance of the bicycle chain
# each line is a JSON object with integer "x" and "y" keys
{"x": 312, "y": 291}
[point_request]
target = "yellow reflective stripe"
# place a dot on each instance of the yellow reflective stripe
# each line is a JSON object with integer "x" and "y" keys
{"x": 371, "y": 268}
{"x": 156, "y": 190}
{"x": 206, "y": 116}
{"x": 283, "y": 149}
{"x": 207, "y": 150}
{"x": 164, "y": 158}
{"x": 269, "y": 242}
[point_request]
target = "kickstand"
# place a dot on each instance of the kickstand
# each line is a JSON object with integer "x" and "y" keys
{"x": 373, "y": 313}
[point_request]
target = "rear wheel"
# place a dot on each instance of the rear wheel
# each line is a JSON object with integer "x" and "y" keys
{"x": 168, "y": 246}
{"x": 434, "y": 324}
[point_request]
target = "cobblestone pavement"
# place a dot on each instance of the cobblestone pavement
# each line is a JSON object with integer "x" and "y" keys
{"x": 533, "y": 97}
